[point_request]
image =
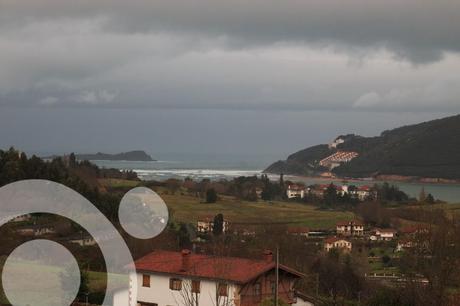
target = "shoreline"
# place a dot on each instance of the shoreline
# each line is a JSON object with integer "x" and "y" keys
{"x": 381, "y": 179}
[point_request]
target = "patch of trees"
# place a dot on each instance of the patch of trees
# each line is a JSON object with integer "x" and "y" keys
{"x": 390, "y": 193}
{"x": 435, "y": 255}
{"x": 15, "y": 166}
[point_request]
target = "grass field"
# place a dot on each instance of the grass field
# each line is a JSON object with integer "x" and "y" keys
{"x": 32, "y": 272}
{"x": 118, "y": 183}
{"x": 190, "y": 209}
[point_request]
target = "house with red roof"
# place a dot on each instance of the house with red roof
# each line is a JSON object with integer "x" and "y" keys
{"x": 296, "y": 191}
{"x": 350, "y": 228}
{"x": 385, "y": 234}
{"x": 298, "y": 231}
{"x": 184, "y": 278}
{"x": 337, "y": 243}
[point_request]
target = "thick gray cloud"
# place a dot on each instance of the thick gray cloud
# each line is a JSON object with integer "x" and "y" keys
{"x": 357, "y": 56}
{"x": 419, "y": 30}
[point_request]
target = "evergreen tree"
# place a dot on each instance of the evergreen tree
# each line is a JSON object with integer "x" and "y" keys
{"x": 218, "y": 226}
{"x": 211, "y": 196}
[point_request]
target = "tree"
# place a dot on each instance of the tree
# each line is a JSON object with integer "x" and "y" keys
{"x": 183, "y": 236}
{"x": 422, "y": 195}
{"x": 430, "y": 199}
{"x": 330, "y": 195}
{"x": 211, "y": 196}
{"x": 72, "y": 160}
{"x": 218, "y": 226}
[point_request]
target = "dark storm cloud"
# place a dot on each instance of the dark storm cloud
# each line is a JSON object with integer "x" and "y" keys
{"x": 417, "y": 30}
{"x": 259, "y": 54}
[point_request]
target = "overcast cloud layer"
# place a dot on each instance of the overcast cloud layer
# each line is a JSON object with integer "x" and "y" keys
{"x": 293, "y": 55}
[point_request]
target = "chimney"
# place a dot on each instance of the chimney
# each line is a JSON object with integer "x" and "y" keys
{"x": 185, "y": 260}
{"x": 268, "y": 256}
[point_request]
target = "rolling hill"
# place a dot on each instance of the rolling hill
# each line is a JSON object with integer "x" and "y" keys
{"x": 429, "y": 150}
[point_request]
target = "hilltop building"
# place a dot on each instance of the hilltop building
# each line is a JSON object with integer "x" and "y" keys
{"x": 338, "y": 158}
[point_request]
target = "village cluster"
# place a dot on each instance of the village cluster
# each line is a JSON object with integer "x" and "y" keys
{"x": 341, "y": 238}
{"x": 297, "y": 191}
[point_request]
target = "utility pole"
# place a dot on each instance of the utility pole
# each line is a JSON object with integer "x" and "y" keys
{"x": 277, "y": 274}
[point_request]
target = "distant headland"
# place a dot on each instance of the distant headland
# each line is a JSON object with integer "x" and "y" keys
{"x": 137, "y": 155}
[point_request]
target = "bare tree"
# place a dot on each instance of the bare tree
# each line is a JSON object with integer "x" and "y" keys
{"x": 190, "y": 293}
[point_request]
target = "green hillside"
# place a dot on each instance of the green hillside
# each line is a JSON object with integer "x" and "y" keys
{"x": 429, "y": 149}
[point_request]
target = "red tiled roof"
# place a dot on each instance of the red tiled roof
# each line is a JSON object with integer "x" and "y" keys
{"x": 238, "y": 270}
{"x": 386, "y": 230}
{"x": 346, "y": 223}
{"x": 298, "y": 230}
{"x": 296, "y": 187}
{"x": 334, "y": 239}
{"x": 364, "y": 188}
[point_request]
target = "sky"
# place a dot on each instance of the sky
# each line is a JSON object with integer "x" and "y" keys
{"x": 250, "y": 78}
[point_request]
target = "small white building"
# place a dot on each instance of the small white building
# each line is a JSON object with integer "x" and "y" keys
{"x": 385, "y": 234}
{"x": 350, "y": 228}
{"x": 295, "y": 191}
{"x": 182, "y": 278}
{"x": 336, "y": 142}
{"x": 206, "y": 225}
{"x": 337, "y": 243}
{"x": 83, "y": 240}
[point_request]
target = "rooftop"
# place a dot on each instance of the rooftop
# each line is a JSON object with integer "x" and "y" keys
{"x": 185, "y": 263}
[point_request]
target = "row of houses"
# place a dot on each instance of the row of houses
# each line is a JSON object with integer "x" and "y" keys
{"x": 334, "y": 160}
{"x": 298, "y": 191}
{"x": 406, "y": 237}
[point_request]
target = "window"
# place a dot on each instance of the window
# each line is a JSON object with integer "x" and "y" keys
{"x": 145, "y": 280}
{"x": 146, "y": 304}
{"x": 257, "y": 291}
{"x": 175, "y": 284}
{"x": 223, "y": 290}
{"x": 196, "y": 286}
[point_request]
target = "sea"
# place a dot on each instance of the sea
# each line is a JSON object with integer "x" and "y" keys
{"x": 217, "y": 167}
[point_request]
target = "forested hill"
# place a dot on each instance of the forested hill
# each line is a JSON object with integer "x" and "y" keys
{"x": 430, "y": 149}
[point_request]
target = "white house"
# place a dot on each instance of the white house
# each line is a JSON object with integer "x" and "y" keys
{"x": 303, "y": 299}
{"x": 182, "y": 278}
{"x": 206, "y": 225}
{"x": 83, "y": 240}
{"x": 336, "y": 142}
{"x": 295, "y": 191}
{"x": 337, "y": 243}
{"x": 350, "y": 228}
{"x": 363, "y": 192}
{"x": 385, "y": 234}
